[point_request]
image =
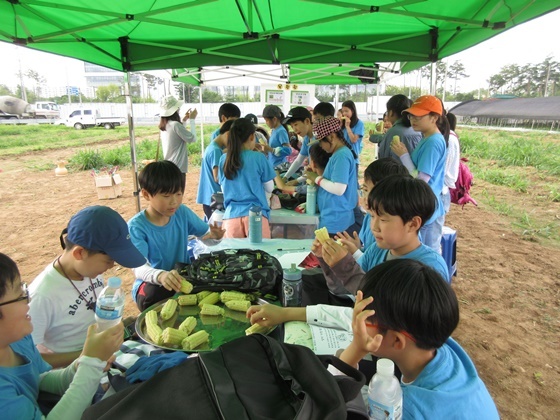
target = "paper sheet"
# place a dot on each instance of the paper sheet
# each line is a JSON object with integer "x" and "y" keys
{"x": 329, "y": 340}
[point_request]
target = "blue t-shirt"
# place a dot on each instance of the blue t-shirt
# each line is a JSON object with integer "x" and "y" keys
{"x": 448, "y": 388}
{"x": 373, "y": 256}
{"x": 279, "y": 137}
{"x": 207, "y": 185}
{"x": 164, "y": 246}
{"x": 19, "y": 385}
{"x": 336, "y": 212}
{"x": 359, "y": 130}
{"x": 246, "y": 189}
{"x": 215, "y": 134}
{"x": 366, "y": 235}
{"x": 429, "y": 157}
{"x": 304, "y": 151}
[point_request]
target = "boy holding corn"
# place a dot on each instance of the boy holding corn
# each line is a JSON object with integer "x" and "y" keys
{"x": 399, "y": 206}
{"x": 161, "y": 233}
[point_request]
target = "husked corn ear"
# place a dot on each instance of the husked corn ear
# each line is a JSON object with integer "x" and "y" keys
{"x": 233, "y": 295}
{"x": 322, "y": 235}
{"x": 211, "y": 299}
{"x": 187, "y": 300}
{"x": 168, "y": 309}
{"x": 195, "y": 340}
{"x": 256, "y": 329}
{"x": 186, "y": 287}
{"x": 187, "y": 326}
{"x": 395, "y": 140}
{"x": 152, "y": 327}
{"x": 208, "y": 309}
{"x": 173, "y": 336}
{"x": 238, "y": 305}
{"x": 201, "y": 295}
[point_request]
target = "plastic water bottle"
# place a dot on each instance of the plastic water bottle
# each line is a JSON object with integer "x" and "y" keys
{"x": 255, "y": 225}
{"x": 311, "y": 200}
{"x": 110, "y": 305}
{"x": 385, "y": 393}
{"x": 292, "y": 287}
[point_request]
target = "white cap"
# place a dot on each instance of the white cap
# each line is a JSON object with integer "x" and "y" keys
{"x": 385, "y": 367}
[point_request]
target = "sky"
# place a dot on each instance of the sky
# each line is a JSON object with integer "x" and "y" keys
{"x": 529, "y": 42}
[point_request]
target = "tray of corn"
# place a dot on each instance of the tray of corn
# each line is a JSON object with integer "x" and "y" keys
{"x": 198, "y": 322}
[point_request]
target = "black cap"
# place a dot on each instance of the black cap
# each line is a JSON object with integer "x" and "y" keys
{"x": 253, "y": 118}
{"x": 297, "y": 113}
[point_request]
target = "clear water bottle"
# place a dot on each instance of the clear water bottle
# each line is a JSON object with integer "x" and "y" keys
{"x": 385, "y": 393}
{"x": 311, "y": 200}
{"x": 255, "y": 225}
{"x": 292, "y": 287}
{"x": 110, "y": 305}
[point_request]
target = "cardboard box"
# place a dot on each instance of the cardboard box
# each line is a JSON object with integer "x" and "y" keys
{"x": 108, "y": 186}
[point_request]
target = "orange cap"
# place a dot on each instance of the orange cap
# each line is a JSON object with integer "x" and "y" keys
{"x": 424, "y": 105}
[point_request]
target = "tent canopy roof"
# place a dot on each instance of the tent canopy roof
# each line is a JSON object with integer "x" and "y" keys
{"x": 516, "y": 108}
{"x": 146, "y": 35}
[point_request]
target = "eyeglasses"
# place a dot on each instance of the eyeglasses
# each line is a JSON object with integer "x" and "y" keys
{"x": 378, "y": 326}
{"x": 416, "y": 118}
{"x": 25, "y": 296}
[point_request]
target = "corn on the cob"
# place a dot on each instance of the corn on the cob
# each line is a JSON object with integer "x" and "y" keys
{"x": 152, "y": 327}
{"x": 187, "y": 300}
{"x": 322, "y": 235}
{"x": 395, "y": 140}
{"x": 195, "y": 340}
{"x": 173, "y": 336}
{"x": 233, "y": 295}
{"x": 187, "y": 326}
{"x": 208, "y": 309}
{"x": 186, "y": 287}
{"x": 238, "y": 305}
{"x": 256, "y": 329}
{"x": 168, "y": 309}
{"x": 211, "y": 299}
{"x": 201, "y": 295}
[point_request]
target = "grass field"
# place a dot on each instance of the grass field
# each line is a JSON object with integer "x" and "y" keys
{"x": 520, "y": 169}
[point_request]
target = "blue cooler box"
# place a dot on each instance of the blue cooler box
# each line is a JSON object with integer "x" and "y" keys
{"x": 449, "y": 249}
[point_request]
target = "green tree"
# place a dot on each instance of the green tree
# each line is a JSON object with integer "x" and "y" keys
{"x": 29, "y": 94}
{"x": 5, "y": 91}
{"x": 325, "y": 93}
{"x": 187, "y": 92}
{"x": 110, "y": 93}
{"x": 209, "y": 96}
{"x": 456, "y": 71}
{"x": 38, "y": 79}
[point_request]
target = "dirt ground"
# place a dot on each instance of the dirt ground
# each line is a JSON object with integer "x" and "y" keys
{"x": 508, "y": 286}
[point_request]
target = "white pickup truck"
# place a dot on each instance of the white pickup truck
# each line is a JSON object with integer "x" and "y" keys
{"x": 86, "y": 117}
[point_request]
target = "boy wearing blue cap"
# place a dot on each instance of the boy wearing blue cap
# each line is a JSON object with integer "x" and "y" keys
{"x": 65, "y": 293}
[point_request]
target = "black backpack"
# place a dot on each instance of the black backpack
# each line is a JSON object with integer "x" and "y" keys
{"x": 245, "y": 270}
{"x": 253, "y": 377}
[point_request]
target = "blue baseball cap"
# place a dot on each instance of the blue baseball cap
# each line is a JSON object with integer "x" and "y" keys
{"x": 101, "y": 228}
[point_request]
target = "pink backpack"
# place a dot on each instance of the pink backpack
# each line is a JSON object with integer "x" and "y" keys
{"x": 460, "y": 194}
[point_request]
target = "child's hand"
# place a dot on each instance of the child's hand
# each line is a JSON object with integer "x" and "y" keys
{"x": 266, "y": 315}
{"x": 317, "y": 248}
{"x": 216, "y": 232}
{"x": 102, "y": 345}
{"x": 398, "y": 148}
{"x": 362, "y": 343}
{"x": 351, "y": 243}
{"x": 171, "y": 280}
{"x": 292, "y": 183}
{"x": 333, "y": 252}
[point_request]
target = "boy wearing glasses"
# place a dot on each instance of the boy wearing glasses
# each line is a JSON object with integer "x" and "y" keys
{"x": 65, "y": 293}
{"x": 23, "y": 372}
{"x": 408, "y": 316}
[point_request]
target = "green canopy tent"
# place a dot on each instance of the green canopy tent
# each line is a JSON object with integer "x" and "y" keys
{"x": 145, "y": 35}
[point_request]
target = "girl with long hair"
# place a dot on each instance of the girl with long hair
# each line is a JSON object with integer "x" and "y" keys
{"x": 246, "y": 176}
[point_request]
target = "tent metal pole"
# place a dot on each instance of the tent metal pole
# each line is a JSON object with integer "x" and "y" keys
{"x": 127, "y": 90}
{"x": 201, "y": 121}
{"x": 433, "y": 78}
{"x": 336, "y": 92}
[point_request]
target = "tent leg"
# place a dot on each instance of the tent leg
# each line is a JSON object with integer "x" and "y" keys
{"x": 132, "y": 140}
{"x": 201, "y": 122}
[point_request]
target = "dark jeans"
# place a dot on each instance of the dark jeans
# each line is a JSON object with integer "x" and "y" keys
{"x": 315, "y": 290}
{"x": 207, "y": 211}
{"x": 149, "y": 293}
